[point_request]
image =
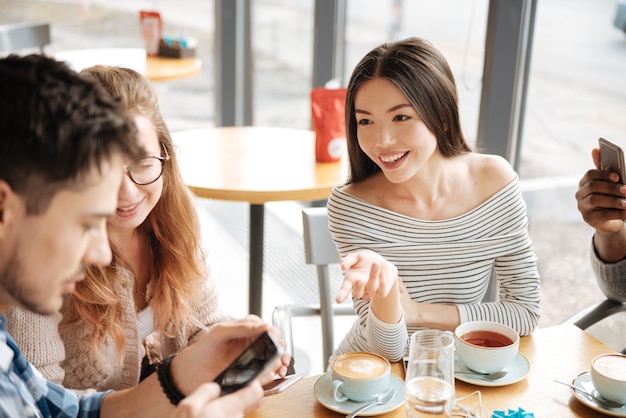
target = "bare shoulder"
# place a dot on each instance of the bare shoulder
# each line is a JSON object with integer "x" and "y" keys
{"x": 492, "y": 171}
{"x": 364, "y": 188}
{"x": 487, "y": 166}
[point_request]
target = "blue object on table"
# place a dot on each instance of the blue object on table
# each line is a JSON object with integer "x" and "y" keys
{"x": 520, "y": 413}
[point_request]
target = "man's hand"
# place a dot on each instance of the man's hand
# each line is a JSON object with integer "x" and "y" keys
{"x": 204, "y": 360}
{"x": 205, "y": 402}
{"x": 602, "y": 204}
{"x": 601, "y": 200}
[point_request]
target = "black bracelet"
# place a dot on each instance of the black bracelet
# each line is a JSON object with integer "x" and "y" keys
{"x": 165, "y": 379}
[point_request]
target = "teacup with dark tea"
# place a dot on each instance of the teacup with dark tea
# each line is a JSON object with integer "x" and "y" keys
{"x": 486, "y": 346}
{"x": 486, "y": 338}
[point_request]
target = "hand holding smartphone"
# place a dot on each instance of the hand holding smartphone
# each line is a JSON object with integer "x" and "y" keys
{"x": 612, "y": 158}
{"x": 252, "y": 362}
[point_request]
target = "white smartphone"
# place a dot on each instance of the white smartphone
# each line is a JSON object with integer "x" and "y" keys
{"x": 252, "y": 362}
{"x": 612, "y": 158}
{"x": 279, "y": 385}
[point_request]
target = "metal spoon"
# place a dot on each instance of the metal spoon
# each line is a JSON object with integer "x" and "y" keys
{"x": 485, "y": 376}
{"x": 380, "y": 399}
{"x": 600, "y": 401}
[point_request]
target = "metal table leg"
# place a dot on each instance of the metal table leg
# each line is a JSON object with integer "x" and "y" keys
{"x": 255, "y": 295}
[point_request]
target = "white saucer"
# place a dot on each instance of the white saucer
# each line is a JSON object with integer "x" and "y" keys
{"x": 321, "y": 390}
{"x": 516, "y": 372}
{"x": 584, "y": 382}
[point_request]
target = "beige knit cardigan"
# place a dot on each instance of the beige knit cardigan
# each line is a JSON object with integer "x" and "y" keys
{"x": 62, "y": 352}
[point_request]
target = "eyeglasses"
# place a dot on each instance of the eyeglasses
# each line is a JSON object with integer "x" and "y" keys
{"x": 147, "y": 170}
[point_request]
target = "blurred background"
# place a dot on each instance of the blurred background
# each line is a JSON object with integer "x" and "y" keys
{"x": 576, "y": 92}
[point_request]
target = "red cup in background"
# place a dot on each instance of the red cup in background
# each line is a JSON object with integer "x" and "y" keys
{"x": 151, "y": 29}
{"x": 329, "y": 123}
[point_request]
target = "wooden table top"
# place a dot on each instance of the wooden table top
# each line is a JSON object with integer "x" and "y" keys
{"x": 255, "y": 164}
{"x": 561, "y": 352}
{"x": 153, "y": 68}
{"x": 166, "y": 69}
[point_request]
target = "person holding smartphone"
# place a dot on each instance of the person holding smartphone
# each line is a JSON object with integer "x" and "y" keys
{"x": 157, "y": 295}
{"x": 602, "y": 203}
{"x": 63, "y": 146}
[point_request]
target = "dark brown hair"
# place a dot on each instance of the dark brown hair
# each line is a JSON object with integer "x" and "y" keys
{"x": 423, "y": 75}
{"x": 54, "y": 128}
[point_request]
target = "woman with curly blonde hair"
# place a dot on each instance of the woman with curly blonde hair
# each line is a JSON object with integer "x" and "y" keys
{"x": 156, "y": 297}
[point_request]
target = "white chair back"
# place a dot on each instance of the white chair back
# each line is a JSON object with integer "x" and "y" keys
{"x": 18, "y": 36}
{"x": 319, "y": 250}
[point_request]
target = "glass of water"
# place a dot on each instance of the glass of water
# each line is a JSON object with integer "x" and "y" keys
{"x": 429, "y": 388}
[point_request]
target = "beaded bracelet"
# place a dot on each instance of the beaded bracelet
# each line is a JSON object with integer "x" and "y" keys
{"x": 165, "y": 379}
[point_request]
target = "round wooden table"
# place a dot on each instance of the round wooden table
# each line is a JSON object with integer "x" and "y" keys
{"x": 153, "y": 68}
{"x": 560, "y": 352}
{"x": 256, "y": 165}
{"x": 166, "y": 69}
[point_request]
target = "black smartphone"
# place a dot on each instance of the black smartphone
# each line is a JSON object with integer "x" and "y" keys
{"x": 252, "y": 362}
{"x": 278, "y": 385}
{"x": 612, "y": 158}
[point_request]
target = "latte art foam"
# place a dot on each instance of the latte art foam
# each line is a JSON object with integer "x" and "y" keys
{"x": 612, "y": 366}
{"x": 360, "y": 366}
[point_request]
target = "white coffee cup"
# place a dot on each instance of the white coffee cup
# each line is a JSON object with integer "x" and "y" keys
{"x": 359, "y": 376}
{"x": 486, "y": 346}
{"x": 608, "y": 375}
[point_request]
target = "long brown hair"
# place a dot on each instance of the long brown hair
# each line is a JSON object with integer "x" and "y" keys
{"x": 172, "y": 225}
{"x": 423, "y": 75}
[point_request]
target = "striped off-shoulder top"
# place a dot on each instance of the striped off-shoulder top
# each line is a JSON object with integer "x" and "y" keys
{"x": 445, "y": 261}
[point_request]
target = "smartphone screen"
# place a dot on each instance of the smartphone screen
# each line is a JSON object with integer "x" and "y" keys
{"x": 249, "y": 364}
{"x": 278, "y": 385}
{"x": 612, "y": 158}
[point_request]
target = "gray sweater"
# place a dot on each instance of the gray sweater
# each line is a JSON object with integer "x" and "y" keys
{"x": 611, "y": 277}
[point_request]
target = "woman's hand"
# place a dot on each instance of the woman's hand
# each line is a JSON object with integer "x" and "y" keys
{"x": 367, "y": 274}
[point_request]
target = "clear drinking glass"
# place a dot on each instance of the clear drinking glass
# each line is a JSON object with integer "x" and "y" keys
{"x": 429, "y": 388}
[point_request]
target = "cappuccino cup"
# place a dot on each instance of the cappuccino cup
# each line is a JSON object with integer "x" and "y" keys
{"x": 608, "y": 375}
{"x": 359, "y": 376}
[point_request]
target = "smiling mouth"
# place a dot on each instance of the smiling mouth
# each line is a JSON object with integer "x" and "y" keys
{"x": 128, "y": 208}
{"x": 128, "y": 211}
{"x": 393, "y": 158}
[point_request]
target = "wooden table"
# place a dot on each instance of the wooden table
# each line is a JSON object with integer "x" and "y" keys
{"x": 153, "y": 68}
{"x": 255, "y": 165}
{"x": 560, "y": 352}
{"x": 166, "y": 69}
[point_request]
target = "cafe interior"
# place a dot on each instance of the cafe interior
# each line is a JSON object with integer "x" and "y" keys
{"x": 538, "y": 83}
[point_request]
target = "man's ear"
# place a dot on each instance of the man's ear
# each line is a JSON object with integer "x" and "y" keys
{"x": 6, "y": 192}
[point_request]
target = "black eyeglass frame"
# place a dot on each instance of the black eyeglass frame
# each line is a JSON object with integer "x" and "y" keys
{"x": 162, "y": 160}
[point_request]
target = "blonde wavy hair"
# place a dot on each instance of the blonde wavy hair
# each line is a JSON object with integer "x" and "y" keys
{"x": 173, "y": 228}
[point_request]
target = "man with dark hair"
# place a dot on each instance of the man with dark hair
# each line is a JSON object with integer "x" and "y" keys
{"x": 63, "y": 143}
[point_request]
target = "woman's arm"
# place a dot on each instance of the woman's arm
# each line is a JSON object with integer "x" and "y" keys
{"x": 374, "y": 285}
{"x": 206, "y": 309}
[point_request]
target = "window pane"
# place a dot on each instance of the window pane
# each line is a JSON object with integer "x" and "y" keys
{"x": 282, "y": 43}
{"x": 455, "y": 27}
